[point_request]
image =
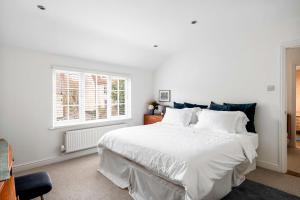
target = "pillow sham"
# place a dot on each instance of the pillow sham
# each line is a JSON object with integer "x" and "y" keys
{"x": 242, "y": 122}
{"x": 218, "y": 107}
{"x": 249, "y": 110}
{"x": 190, "y": 105}
{"x": 178, "y": 105}
{"x": 194, "y": 111}
{"x": 180, "y": 117}
{"x": 223, "y": 121}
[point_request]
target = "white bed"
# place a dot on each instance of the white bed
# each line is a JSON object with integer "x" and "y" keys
{"x": 161, "y": 161}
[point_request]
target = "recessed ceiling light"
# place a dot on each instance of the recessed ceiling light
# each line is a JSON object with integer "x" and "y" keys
{"x": 194, "y": 22}
{"x": 155, "y": 45}
{"x": 41, "y": 7}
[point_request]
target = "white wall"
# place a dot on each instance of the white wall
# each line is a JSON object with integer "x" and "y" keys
{"x": 25, "y": 103}
{"x": 236, "y": 70}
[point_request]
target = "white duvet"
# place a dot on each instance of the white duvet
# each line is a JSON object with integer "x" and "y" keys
{"x": 191, "y": 157}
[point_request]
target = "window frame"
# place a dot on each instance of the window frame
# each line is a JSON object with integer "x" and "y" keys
{"x": 81, "y": 98}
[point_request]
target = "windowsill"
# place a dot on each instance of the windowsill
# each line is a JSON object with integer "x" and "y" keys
{"x": 98, "y": 123}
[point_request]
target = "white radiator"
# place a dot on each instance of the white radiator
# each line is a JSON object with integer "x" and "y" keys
{"x": 86, "y": 138}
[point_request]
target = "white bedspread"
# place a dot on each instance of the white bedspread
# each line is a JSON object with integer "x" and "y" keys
{"x": 190, "y": 157}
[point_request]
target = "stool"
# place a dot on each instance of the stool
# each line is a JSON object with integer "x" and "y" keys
{"x": 33, "y": 185}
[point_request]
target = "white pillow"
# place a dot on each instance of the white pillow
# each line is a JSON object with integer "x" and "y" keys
{"x": 194, "y": 111}
{"x": 223, "y": 121}
{"x": 179, "y": 117}
{"x": 241, "y": 123}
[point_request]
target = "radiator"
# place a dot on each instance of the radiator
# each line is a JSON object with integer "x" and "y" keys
{"x": 77, "y": 140}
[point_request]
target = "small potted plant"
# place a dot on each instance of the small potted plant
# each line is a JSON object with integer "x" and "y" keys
{"x": 152, "y": 106}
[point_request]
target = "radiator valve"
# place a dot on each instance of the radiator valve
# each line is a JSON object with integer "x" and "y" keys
{"x": 62, "y": 148}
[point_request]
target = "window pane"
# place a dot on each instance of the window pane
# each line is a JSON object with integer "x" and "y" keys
{"x": 114, "y": 110}
{"x": 61, "y": 97}
{"x": 90, "y": 97}
{"x": 74, "y": 81}
{"x": 121, "y": 97}
{"x": 61, "y": 81}
{"x": 102, "y": 82}
{"x": 90, "y": 82}
{"x": 114, "y": 84}
{"x": 102, "y": 112}
{"x": 61, "y": 88}
{"x": 121, "y": 84}
{"x": 102, "y": 97}
{"x": 114, "y": 97}
{"x": 73, "y": 97}
{"x": 122, "y": 109}
{"x": 90, "y": 114}
{"x": 61, "y": 113}
{"x": 73, "y": 112}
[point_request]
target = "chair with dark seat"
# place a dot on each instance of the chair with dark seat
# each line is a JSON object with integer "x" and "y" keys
{"x": 33, "y": 185}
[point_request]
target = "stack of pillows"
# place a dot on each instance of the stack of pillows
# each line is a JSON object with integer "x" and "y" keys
{"x": 230, "y": 118}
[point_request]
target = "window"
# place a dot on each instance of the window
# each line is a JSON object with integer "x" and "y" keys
{"x": 81, "y": 97}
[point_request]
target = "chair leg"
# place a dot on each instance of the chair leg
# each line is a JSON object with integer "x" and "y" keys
{"x": 42, "y": 198}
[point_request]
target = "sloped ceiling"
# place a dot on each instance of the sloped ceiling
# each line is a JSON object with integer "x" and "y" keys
{"x": 124, "y": 31}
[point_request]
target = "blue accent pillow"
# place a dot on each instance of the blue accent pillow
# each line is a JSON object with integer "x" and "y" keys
{"x": 218, "y": 107}
{"x": 178, "y": 105}
{"x": 190, "y": 105}
{"x": 249, "y": 110}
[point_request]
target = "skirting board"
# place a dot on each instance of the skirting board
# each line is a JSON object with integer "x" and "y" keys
{"x": 268, "y": 165}
{"x": 52, "y": 160}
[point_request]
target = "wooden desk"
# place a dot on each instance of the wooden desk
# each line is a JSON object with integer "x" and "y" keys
{"x": 7, "y": 188}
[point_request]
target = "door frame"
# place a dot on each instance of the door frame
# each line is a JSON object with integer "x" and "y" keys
{"x": 283, "y": 104}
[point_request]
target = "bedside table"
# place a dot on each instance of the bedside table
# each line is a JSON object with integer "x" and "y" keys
{"x": 150, "y": 119}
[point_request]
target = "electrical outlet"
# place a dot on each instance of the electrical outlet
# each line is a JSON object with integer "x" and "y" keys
{"x": 271, "y": 88}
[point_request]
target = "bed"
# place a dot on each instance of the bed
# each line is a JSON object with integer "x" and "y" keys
{"x": 167, "y": 162}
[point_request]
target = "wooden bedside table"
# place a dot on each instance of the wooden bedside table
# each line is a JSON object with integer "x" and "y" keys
{"x": 150, "y": 119}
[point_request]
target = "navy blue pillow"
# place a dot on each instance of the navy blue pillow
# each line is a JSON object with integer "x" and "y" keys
{"x": 178, "y": 105}
{"x": 190, "y": 105}
{"x": 218, "y": 107}
{"x": 249, "y": 110}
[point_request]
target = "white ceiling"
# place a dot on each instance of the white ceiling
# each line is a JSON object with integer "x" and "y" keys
{"x": 124, "y": 31}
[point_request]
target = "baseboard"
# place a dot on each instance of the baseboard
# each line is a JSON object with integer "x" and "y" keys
{"x": 52, "y": 160}
{"x": 268, "y": 165}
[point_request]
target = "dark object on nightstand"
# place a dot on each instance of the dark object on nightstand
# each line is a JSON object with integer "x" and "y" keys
{"x": 150, "y": 119}
{"x": 33, "y": 185}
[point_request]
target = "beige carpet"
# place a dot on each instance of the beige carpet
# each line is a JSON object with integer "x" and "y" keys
{"x": 283, "y": 182}
{"x": 78, "y": 179}
{"x": 294, "y": 160}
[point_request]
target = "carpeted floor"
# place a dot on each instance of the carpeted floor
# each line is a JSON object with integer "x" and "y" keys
{"x": 293, "y": 160}
{"x": 78, "y": 179}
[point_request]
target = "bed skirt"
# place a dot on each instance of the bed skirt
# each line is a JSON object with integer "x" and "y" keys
{"x": 145, "y": 185}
